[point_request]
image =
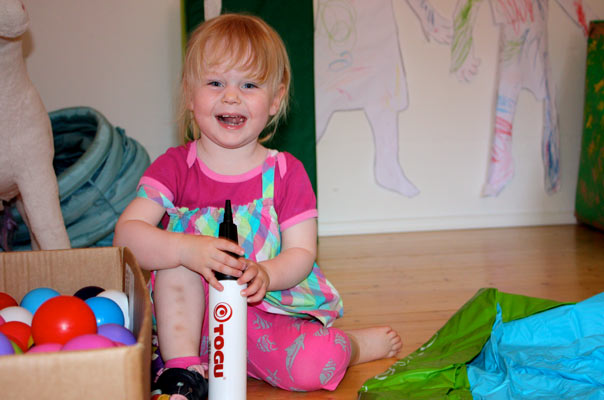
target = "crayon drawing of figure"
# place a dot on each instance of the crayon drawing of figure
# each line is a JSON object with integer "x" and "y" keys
{"x": 358, "y": 66}
{"x": 523, "y": 64}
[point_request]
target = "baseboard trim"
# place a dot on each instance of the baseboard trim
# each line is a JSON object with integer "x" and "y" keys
{"x": 444, "y": 223}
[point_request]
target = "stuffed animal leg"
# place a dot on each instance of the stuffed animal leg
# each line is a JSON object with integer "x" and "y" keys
{"x": 27, "y": 149}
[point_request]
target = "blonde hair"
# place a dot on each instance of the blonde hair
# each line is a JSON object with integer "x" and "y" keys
{"x": 236, "y": 41}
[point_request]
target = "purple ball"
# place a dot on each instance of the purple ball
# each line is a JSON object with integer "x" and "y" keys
{"x": 6, "y": 346}
{"x": 117, "y": 333}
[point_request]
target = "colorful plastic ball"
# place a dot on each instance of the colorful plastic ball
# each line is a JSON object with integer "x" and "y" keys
{"x": 88, "y": 291}
{"x": 106, "y": 311}
{"x": 6, "y": 300}
{"x": 117, "y": 333}
{"x": 62, "y": 318}
{"x": 121, "y": 299}
{"x": 34, "y": 298}
{"x": 16, "y": 313}
{"x": 18, "y": 332}
{"x": 16, "y": 347}
{"x": 45, "y": 348}
{"x": 6, "y": 346}
{"x": 88, "y": 342}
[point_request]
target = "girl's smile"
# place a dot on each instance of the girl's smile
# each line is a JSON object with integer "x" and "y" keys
{"x": 231, "y": 121}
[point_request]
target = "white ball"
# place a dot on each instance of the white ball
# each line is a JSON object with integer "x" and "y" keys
{"x": 121, "y": 299}
{"x": 17, "y": 313}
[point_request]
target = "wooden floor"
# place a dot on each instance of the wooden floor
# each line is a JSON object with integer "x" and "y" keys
{"x": 416, "y": 281}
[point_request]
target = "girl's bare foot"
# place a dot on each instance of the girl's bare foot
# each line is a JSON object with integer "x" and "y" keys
{"x": 374, "y": 343}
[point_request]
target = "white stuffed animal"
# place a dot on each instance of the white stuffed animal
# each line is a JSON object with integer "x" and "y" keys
{"x": 26, "y": 141}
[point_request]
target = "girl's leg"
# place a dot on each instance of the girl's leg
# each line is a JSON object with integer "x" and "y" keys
{"x": 303, "y": 355}
{"x": 374, "y": 343}
{"x": 179, "y": 302}
{"x": 295, "y": 354}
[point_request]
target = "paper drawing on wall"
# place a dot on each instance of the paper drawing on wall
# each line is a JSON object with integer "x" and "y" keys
{"x": 211, "y": 8}
{"x": 358, "y": 66}
{"x": 523, "y": 64}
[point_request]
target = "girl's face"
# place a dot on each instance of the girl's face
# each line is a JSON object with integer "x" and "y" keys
{"x": 231, "y": 109}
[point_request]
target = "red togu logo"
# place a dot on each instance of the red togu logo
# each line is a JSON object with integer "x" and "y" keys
{"x": 222, "y": 313}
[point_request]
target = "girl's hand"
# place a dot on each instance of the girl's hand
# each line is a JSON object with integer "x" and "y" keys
{"x": 257, "y": 279}
{"x": 205, "y": 254}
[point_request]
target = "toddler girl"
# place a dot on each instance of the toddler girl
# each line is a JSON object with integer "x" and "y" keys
{"x": 234, "y": 90}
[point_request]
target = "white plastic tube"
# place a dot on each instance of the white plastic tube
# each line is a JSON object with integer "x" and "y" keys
{"x": 228, "y": 342}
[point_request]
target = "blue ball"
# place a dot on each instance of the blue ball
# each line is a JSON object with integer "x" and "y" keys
{"x": 106, "y": 311}
{"x": 35, "y": 297}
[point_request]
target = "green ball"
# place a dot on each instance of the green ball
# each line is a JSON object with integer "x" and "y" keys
{"x": 16, "y": 348}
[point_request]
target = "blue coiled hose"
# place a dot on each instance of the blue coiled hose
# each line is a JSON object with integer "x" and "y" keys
{"x": 97, "y": 168}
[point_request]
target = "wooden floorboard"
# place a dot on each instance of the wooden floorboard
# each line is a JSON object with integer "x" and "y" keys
{"x": 416, "y": 281}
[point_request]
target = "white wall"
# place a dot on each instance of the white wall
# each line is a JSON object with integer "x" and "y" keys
{"x": 122, "y": 57}
{"x": 444, "y": 139}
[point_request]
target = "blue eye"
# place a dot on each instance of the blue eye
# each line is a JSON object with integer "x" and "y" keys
{"x": 214, "y": 83}
{"x": 249, "y": 85}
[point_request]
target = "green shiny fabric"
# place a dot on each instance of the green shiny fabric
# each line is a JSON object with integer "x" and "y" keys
{"x": 437, "y": 370}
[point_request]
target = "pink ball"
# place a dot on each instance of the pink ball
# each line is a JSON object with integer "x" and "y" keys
{"x": 88, "y": 342}
{"x": 45, "y": 348}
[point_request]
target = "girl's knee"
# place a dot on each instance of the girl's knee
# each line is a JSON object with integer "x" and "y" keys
{"x": 304, "y": 356}
{"x": 320, "y": 367}
{"x": 318, "y": 375}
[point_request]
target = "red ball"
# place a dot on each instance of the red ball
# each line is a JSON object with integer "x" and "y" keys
{"x": 17, "y": 331}
{"x": 6, "y": 300}
{"x": 62, "y": 318}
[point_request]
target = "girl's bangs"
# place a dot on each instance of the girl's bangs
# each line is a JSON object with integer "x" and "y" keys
{"x": 242, "y": 54}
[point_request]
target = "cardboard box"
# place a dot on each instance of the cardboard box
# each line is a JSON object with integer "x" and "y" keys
{"x": 116, "y": 373}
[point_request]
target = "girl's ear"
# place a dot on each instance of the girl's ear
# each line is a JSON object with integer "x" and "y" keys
{"x": 277, "y": 98}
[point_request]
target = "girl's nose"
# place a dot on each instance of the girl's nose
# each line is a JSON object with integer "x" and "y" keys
{"x": 231, "y": 96}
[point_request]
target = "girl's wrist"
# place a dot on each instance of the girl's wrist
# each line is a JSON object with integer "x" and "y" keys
{"x": 268, "y": 276}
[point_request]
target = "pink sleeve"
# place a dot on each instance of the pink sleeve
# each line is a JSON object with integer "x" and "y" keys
{"x": 295, "y": 199}
{"x": 157, "y": 185}
{"x": 163, "y": 173}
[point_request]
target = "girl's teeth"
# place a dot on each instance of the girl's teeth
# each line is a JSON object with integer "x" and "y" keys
{"x": 232, "y": 119}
